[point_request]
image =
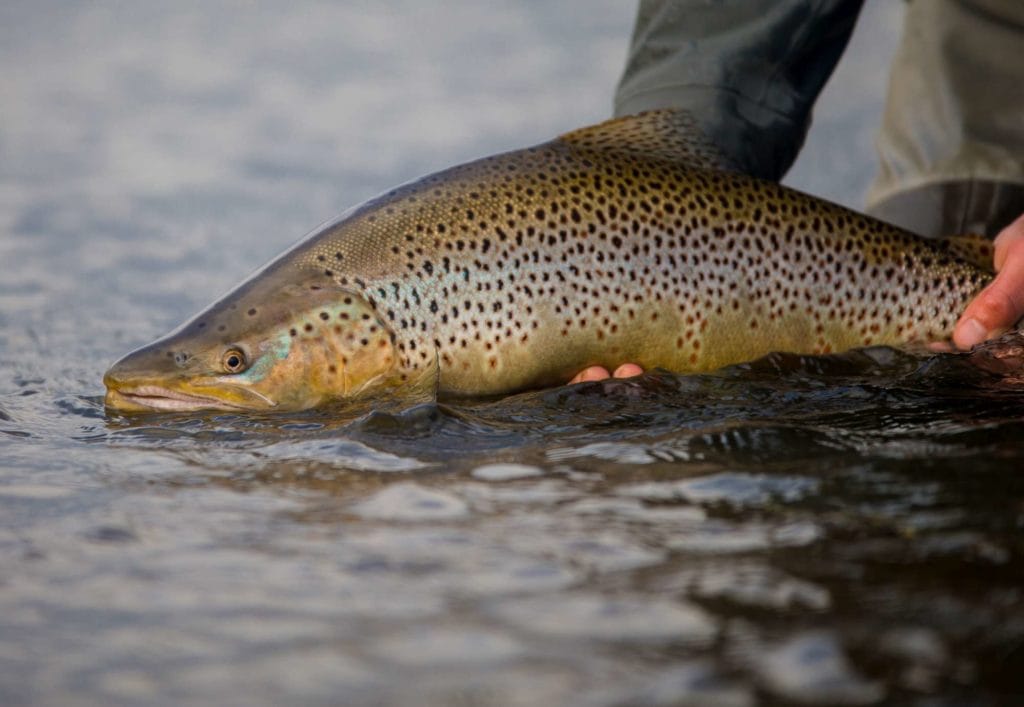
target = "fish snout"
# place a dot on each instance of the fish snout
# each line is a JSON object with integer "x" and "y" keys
{"x": 120, "y": 374}
{"x": 146, "y": 379}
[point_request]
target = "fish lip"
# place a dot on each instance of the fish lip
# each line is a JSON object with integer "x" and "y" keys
{"x": 159, "y": 398}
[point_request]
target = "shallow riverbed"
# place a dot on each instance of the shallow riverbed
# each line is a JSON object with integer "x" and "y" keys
{"x": 843, "y": 530}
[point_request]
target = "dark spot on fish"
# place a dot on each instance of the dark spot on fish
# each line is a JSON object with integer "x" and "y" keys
{"x": 325, "y": 316}
{"x": 308, "y": 327}
{"x": 252, "y": 312}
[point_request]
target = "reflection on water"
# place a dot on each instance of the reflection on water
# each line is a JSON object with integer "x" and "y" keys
{"x": 835, "y": 530}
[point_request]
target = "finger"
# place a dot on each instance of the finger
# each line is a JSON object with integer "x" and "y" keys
{"x": 627, "y": 370}
{"x": 1009, "y": 236}
{"x": 594, "y": 373}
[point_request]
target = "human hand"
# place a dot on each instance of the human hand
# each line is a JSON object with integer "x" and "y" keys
{"x": 1000, "y": 305}
{"x": 599, "y": 373}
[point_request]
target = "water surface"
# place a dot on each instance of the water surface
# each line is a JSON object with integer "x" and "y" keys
{"x": 842, "y": 530}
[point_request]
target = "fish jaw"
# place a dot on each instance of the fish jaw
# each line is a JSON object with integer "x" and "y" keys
{"x": 155, "y": 395}
{"x": 160, "y": 399}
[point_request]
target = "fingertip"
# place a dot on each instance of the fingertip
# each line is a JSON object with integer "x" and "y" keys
{"x": 628, "y": 370}
{"x": 969, "y": 333}
{"x": 594, "y": 373}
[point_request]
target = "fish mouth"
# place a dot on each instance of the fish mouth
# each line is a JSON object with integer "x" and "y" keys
{"x": 149, "y": 398}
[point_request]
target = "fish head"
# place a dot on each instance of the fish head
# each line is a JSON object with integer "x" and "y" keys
{"x": 265, "y": 346}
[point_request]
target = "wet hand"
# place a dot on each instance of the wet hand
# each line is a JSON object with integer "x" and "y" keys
{"x": 600, "y": 373}
{"x": 1000, "y": 305}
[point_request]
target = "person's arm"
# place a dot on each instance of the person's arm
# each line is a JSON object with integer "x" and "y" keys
{"x": 1000, "y": 305}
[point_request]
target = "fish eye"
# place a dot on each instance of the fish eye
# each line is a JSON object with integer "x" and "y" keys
{"x": 233, "y": 361}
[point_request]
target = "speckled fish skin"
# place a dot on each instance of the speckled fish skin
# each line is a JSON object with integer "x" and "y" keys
{"x": 627, "y": 241}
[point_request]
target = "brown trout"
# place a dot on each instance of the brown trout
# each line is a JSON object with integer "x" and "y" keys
{"x": 626, "y": 241}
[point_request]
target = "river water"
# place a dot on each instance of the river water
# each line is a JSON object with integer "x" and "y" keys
{"x": 843, "y": 530}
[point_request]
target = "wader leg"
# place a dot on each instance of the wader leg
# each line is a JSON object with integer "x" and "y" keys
{"x": 949, "y": 208}
{"x": 951, "y": 147}
{"x": 748, "y": 70}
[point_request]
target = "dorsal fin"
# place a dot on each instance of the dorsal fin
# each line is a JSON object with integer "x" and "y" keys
{"x": 973, "y": 248}
{"x": 668, "y": 134}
